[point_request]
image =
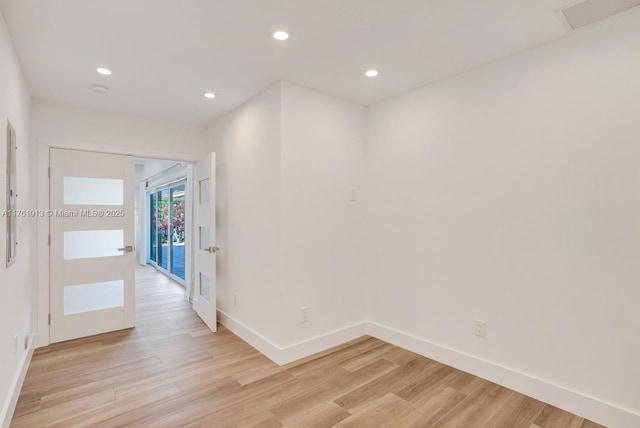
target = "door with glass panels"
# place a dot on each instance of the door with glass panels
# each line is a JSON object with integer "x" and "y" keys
{"x": 167, "y": 229}
{"x": 204, "y": 301}
{"x": 92, "y": 286}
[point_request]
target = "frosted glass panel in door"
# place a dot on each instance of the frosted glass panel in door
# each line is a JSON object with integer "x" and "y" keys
{"x": 93, "y": 297}
{"x": 93, "y": 191}
{"x": 204, "y": 191}
{"x": 87, "y": 244}
{"x": 205, "y": 287}
{"x": 204, "y": 238}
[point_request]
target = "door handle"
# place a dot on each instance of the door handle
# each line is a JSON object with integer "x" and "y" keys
{"x": 213, "y": 249}
{"x": 127, "y": 249}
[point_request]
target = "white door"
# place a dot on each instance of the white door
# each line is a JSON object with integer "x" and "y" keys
{"x": 204, "y": 300}
{"x": 91, "y": 254}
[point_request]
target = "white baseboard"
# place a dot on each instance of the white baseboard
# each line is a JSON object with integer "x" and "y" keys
{"x": 575, "y": 402}
{"x": 562, "y": 397}
{"x": 16, "y": 386}
{"x": 265, "y": 346}
{"x": 284, "y": 355}
{"x": 581, "y": 404}
{"x": 323, "y": 342}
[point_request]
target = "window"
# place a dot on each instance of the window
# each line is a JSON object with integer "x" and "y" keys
{"x": 11, "y": 195}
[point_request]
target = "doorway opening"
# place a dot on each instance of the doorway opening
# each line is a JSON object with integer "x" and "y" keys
{"x": 102, "y": 229}
{"x": 164, "y": 213}
{"x": 167, "y": 229}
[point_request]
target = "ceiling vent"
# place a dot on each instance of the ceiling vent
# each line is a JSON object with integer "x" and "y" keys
{"x": 591, "y": 11}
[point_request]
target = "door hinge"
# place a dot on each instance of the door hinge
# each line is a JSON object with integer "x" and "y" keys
{"x": 49, "y": 319}
{"x": 49, "y": 240}
{"x": 49, "y": 172}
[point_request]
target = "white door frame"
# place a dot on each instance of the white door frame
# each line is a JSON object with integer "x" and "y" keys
{"x": 43, "y": 147}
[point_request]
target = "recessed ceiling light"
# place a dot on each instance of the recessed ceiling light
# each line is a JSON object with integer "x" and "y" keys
{"x": 99, "y": 89}
{"x": 104, "y": 71}
{"x": 371, "y": 73}
{"x": 281, "y": 35}
{"x": 210, "y": 95}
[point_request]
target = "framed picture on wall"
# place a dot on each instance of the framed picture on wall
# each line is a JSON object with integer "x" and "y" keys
{"x": 10, "y": 214}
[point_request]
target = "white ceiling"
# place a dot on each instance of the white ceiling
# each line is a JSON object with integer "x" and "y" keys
{"x": 166, "y": 53}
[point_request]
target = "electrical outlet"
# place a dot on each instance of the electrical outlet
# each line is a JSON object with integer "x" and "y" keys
{"x": 481, "y": 328}
{"x": 304, "y": 315}
{"x": 353, "y": 195}
{"x": 235, "y": 299}
{"x": 26, "y": 340}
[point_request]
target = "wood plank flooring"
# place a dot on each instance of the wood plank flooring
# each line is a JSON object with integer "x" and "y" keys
{"x": 170, "y": 371}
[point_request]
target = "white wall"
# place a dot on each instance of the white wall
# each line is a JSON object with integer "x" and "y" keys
{"x": 511, "y": 194}
{"x": 322, "y": 230}
{"x": 290, "y": 236}
{"x": 16, "y": 282}
{"x": 248, "y": 213}
{"x": 140, "y": 135}
{"x": 139, "y": 208}
{"x": 151, "y": 167}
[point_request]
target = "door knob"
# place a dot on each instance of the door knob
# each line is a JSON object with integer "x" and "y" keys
{"x": 213, "y": 249}
{"x": 127, "y": 249}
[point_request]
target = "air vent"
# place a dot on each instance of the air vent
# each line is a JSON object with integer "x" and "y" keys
{"x": 591, "y": 11}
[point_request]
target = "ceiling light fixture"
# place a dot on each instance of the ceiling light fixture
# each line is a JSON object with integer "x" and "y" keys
{"x": 104, "y": 71}
{"x": 281, "y": 35}
{"x": 210, "y": 95}
{"x": 371, "y": 73}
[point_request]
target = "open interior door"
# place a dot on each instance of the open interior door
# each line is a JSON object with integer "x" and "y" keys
{"x": 204, "y": 300}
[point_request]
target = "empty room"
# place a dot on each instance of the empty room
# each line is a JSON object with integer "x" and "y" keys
{"x": 320, "y": 213}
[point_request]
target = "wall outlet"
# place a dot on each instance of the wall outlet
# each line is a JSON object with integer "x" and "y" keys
{"x": 235, "y": 299}
{"x": 27, "y": 335}
{"x": 481, "y": 328}
{"x": 304, "y": 315}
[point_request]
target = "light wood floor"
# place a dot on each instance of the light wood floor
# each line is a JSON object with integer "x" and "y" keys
{"x": 170, "y": 371}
